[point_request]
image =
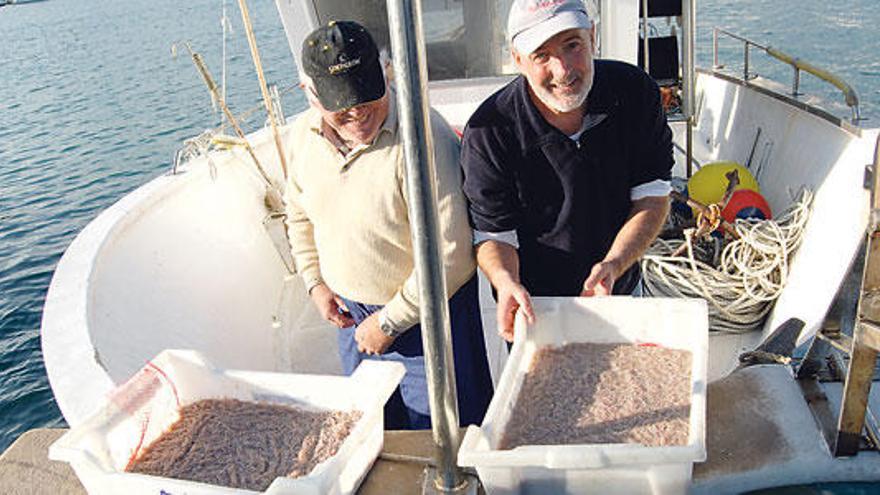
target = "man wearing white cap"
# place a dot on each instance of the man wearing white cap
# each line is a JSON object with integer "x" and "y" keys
{"x": 567, "y": 167}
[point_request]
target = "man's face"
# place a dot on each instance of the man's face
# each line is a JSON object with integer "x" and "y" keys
{"x": 560, "y": 72}
{"x": 359, "y": 124}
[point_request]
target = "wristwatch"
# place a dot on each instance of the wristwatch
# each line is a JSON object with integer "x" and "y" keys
{"x": 386, "y": 327}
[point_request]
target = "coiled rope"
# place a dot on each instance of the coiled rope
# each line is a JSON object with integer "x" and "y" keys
{"x": 750, "y": 275}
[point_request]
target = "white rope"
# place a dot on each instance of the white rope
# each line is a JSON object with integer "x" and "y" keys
{"x": 751, "y": 274}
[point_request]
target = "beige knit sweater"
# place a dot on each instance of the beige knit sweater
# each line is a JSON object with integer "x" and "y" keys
{"x": 348, "y": 220}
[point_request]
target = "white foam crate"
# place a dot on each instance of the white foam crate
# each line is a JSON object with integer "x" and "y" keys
{"x": 593, "y": 468}
{"x": 141, "y": 409}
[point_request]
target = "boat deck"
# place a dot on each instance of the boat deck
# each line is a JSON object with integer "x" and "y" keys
{"x": 760, "y": 433}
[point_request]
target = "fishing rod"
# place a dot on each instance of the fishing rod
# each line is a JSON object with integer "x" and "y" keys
{"x": 258, "y": 65}
{"x": 273, "y": 196}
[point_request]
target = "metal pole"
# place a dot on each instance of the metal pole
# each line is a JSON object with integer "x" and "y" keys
{"x": 746, "y": 62}
{"x": 688, "y": 11}
{"x": 410, "y": 73}
{"x": 645, "y": 56}
{"x": 715, "y": 49}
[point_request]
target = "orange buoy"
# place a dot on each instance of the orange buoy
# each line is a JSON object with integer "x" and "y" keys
{"x": 745, "y": 203}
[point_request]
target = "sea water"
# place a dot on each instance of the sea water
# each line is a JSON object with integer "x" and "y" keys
{"x": 93, "y": 105}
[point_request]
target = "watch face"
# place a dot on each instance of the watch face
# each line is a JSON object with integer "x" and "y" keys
{"x": 386, "y": 327}
{"x": 387, "y": 330}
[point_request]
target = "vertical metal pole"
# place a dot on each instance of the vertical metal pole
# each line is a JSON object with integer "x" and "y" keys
{"x": 796, "y": 83}
{"x": 746, "y": 62}
{"x": 645, "y": 56}
{"x": 410, "y": 72}
{"x": 688, "y": 11}
{"x": 715, "y": 48}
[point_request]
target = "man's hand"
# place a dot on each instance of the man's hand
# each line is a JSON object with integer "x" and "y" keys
{"x": 500, "y": 262}
{"x": 512, "y": 296}
{"x": 330, "y": 306}
{"x": 369, "y": 336}
{"x": 645, "y": 219}
{"x": 601, "y": 279}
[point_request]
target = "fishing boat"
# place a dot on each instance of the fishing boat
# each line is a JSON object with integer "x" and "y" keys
{"x": 195, "y": 259}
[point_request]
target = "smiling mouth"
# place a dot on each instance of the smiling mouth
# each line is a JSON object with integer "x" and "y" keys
{"x": 567, "y": 86}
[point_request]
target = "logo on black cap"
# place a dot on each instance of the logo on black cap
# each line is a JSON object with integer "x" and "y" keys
{"x": 342, "y": 60}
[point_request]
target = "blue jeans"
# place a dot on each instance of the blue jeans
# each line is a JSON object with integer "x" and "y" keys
{"x": 408, "y": 407}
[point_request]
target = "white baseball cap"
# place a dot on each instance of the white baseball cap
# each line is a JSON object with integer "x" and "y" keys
{"x": 532, "y": 22}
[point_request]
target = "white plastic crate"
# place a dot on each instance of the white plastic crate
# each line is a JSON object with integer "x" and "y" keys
{"x": 141, "y": 409}
{"x": 593, "y": 468}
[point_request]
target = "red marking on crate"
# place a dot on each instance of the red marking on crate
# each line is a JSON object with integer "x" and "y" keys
{"x": 170, "y": 383}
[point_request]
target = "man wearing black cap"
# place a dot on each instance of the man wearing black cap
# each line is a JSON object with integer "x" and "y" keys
{"x": 350, "y": 232}
{"x": 567, "y": 167}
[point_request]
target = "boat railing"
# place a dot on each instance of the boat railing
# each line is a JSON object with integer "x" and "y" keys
{"x": 798, "y": 64}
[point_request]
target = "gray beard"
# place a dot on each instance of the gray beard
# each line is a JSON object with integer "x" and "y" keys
{"x": 567, "y": 104}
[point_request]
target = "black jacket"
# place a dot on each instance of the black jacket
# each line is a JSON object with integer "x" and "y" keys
{"x": 566, "y": 200}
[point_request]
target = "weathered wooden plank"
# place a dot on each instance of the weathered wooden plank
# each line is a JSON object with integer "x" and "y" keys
{"x": 855, "y": 397}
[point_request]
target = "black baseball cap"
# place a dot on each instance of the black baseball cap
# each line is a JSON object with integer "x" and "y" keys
{"x": 342, "y": 60}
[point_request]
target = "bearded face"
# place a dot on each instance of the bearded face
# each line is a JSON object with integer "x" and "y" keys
{"x": 560, "y": 71}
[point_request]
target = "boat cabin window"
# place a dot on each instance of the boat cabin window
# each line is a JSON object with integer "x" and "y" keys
{"x": 463, "y": 38}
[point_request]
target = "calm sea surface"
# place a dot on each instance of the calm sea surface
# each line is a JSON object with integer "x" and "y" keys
{"x": 93, "y": 105}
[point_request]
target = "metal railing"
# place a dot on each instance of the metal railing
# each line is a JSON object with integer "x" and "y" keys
{"x": 850, "y": 95}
